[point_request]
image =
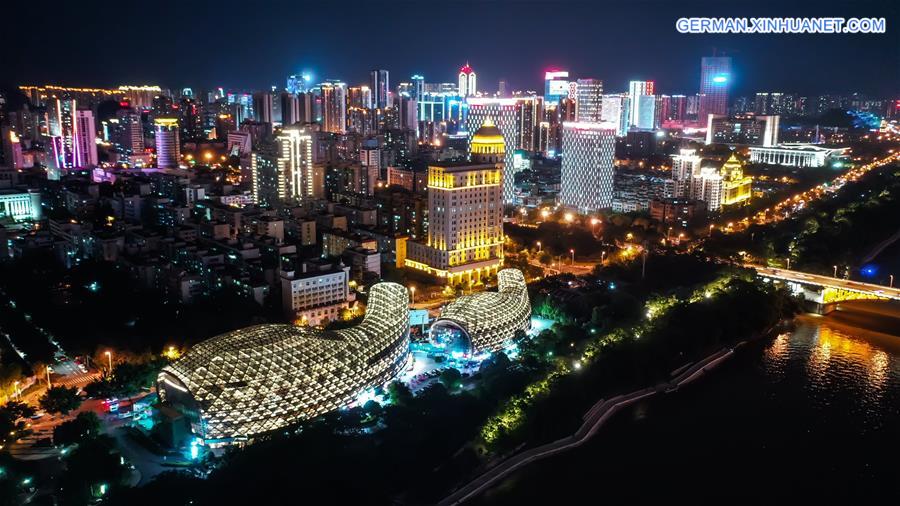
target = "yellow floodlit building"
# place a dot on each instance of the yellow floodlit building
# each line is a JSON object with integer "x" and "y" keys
{"x": 465, "y": 215}
{"x": 736, "y": 187}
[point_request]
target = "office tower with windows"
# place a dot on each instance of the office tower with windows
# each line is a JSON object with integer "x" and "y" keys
{"x": 586, "y": 180}
{"x": 334, "y": 106}
{"x": 168, "y": 145}
{"x": 715, "y": 79}
{"x": 262, "y": 107}
{"x": 589, "y": 100}
{"x": 380, "y": 86}
{"x": 637, "y": 89}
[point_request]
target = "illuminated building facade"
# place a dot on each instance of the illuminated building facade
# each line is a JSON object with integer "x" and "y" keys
{"x": 20, "y": 206}
{"x": 636, "y": 90}
{"x": 742, "y": 129}
{"x": 380, "y": 86}
{"x": 486, "y": 321}
{"x": 795, "y": 155}
{"x": 315, "y": 296}
{"x": 266, "y": 377}
{"x": 615, "y": 110}
{"x": 334, "y": 107}
{"x": 556, "y": 86}
{"x": 168, "y": 146}
{"x": 467, "y": 82}
{"x": 722, "y": 187}
{"x": 684, "y": 165}
{"x": 715, "y": 78}
{"x": 588, "y": 151}
{"x": 465, "y": 215}
{"x": 589, "y": 100}
{"x": 502, "y": 113}
{"x": 736, "y": 187}
{"x": 73, "y": 135}
{"x": 295, "y": 165}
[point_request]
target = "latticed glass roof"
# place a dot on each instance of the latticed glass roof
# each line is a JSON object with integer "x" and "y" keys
{"x": 265, "y": 377}
{"x": 492, "y": 318}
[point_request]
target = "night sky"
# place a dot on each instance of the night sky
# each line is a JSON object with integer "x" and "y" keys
{"x": 254, "y": 44}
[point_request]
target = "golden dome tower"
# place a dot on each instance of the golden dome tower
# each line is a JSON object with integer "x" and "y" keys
{"x": 487, "y": 144}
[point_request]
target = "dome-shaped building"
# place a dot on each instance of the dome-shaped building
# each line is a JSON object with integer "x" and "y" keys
{"x": 487, "y": 144}
{"x": 266, "y": 377}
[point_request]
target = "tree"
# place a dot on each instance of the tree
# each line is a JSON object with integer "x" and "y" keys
{"x": 451, "y": 378}
{"x": 10, "y": 414}
{"x": 399, "y": 393}
{"x": 84, "y": 426}
{"x": 60, "y": 400}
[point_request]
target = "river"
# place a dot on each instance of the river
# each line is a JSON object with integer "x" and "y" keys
{"x": 813, "y": 414}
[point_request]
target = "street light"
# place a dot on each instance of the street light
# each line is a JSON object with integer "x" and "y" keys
{"x": 16, "y": 389}
{"x": 48, "y": 377}
{"x": 789, "y": 263}
{"x": 569, "y": 217}
{"x": 539, "y": 246}
{"x": 109, "y": 358}
{"x": 572, "y": 252}
{"x": 412, "y": 291}
{"x": 892, "y": 281}
{"x": 835, "y": 271}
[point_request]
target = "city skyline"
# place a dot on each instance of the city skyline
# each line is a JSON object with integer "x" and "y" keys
{"x": 642, "y": 47}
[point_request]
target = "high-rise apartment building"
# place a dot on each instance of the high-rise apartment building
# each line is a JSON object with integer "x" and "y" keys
{"x": 684, "y": 165}
{"x": 295, "y": 165}
{"x": 715, "y": 78}
{"x": 290, "y": 108}
{"x": 465, "y": 215}
{"x": 263, "y": 107}
{"x": 615, "y": 110}
{"x": 380, "y": 86}
{"x": 588, "y": 152}
{"x": 168, "y": 144}
{"x": 588, "y": 100}
{"x": 334, "y": 107}
{"x": 637, "y": 89}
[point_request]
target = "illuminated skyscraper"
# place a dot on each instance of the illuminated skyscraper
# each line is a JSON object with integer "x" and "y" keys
{"x": 556, "y": 86}
{"x": 467, "y": 83}
{"x": 334, "y": 107}
{"x": 588, "y": 100}
{"x": 168, "y": 146}
{"x": 502, "y": 113}
{"x": 684, "y": 165}
{"x": 615, "y": 111}
{"x": 72, "y": 135}
{"x": 465, "y": 214}
{"x": 297, "y": 177}
{"x": 637, "y": 89}
{"x": 588, "y": 151}
{"x": 715, "y": 78}
{"x": 380, "y": 86}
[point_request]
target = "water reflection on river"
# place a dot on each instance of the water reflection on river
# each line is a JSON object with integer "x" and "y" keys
{"x": 812, "y": 414}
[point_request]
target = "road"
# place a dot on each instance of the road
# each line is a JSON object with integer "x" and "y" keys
{"x": 827, "y": 281}
{"x": 785, "y": 208}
